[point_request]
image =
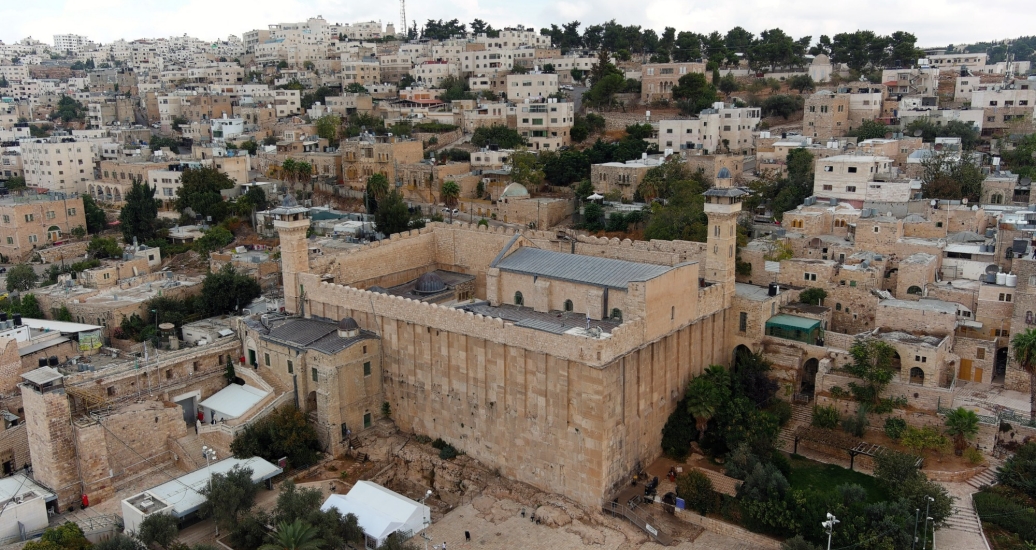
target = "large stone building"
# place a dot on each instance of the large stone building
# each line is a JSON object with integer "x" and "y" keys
{"x": 562, "y": 365}
{"x": 26, "y": 225}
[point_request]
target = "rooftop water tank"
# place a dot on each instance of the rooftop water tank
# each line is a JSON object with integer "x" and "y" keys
{"x": 1012, "y": 279}
{"x": 1001, "y": 278}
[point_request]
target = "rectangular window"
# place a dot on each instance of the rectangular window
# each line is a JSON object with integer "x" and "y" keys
{"x": 29, "y": 217}
{"x": 366, "y": 420}
{"x": 32, "y": 238}
{"x": 980, "y": 353}
{"x": 850, "y": 188}
{"x": 50, "y": 214}
{"x": 743, "y": 322}
{"x": 852, "y": 169}
{"x": 313, "y": 373}
{"x": 71, "y": 211}
{"x": 827, "y": 188}
{"x": 291, "y": 367}
{"x": 366, "y": 368}
{"x": 10, "y": 240}
{"x": 266, "y": 359}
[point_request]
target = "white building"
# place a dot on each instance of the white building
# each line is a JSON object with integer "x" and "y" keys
{"x": 710, "y": 128}
{"x": 858, "y": 178}
{"x": 530, "y": 86}
{"x": 546, "y": 125}
{"x": 24, "y": 504}
{"x": 380, "y": 512}
{"x": 72, "y": 43}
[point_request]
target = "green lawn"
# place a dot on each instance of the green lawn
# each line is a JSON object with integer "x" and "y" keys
{"x": 809, "y": 474}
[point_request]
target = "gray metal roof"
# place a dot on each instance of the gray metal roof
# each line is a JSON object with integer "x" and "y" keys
{"x": 580, "y": 269}
{"x": 42, "y": 375}
{"x": 724, "y": 192}
{"x": 313, "y": 334}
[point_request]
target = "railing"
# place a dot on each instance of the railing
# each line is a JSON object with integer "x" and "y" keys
{"x": 801, "y": 398}
{"x": 622, "y": 510}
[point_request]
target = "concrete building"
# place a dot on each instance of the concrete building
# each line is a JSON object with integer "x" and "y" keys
{"x": 431, "y": 73}
{"x": 532, "y": 85}
{"x": 622, "y": 177}
{"x": 826, "y": 115}
{"x": 363, "y": 71}
{"x": 59, "y": 164}
{"x": 859, "y": 178}
{"x": 723, "y": 128}
{"x": 364, "y": 156}
{"x": 546, "y": 125}
{"x": 27, "y": 223}
{"x": 70, "y": 43}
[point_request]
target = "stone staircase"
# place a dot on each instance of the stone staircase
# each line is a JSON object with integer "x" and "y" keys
{"x": 964, "y": 519}
{"x": 278, "y": 386}
{"x": 188, "y": 448}
{"x": 801, "y": 415}
{"x": 988, "y": 476}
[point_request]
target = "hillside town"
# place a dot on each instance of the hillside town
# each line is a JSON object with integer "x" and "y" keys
{"x": 384, "y": 285}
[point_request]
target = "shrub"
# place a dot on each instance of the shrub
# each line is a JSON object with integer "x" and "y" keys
{"x": 448, "y": 452}
{"x": 439, "y": 443}
{"x": 826, "y": 417}
{"x": 422, "y": 439}
{"x": 782, "y": 410}
{"x": 1005, "y": 512}
{"x": 923, "y": 439}
{"x": 696, "y": 490}
{"x": 894, "y": 427}
{"x": 838, "y": 392}
{"x": 781, "y": 462}
{"x": 857, "y": 423}
{"x": 1019, "y": 471}
{"x": 974, "y": 456}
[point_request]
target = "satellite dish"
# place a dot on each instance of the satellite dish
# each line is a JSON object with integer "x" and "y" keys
{"x": 1025, "y": 181}
{"x": 918, "y": 133}
{"x": 992, "y": 269}
{"x": 888, "y": 135}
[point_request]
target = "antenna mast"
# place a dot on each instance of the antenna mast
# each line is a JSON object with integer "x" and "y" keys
{"x": 402, "y": 17}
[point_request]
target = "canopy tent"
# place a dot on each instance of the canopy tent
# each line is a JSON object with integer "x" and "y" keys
{"x": 380, "y": 511}
{"x": 595, "y": 197}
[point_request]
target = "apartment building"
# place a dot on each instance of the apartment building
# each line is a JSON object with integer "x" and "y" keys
{"x": 1007, "y": 108}
{"x": 71, "y": 43}
{"x": 514, "y": 38}
{"x": 477, "y": 115}
{"x": 912, "y": 81}
{"x": 393, "y": 67}
{"x": 14, "y": 73}
{"x": 347, "y": 104}
{"x": 10, "y": 162}
{"x": 957, "y": 61}
{"x": 104, "y": 111}
{"x": 495, "y": 84}
{"x": 530, "y": 86}
{"x": 826, "y": 115}
{"x": 367, "y": 155}
{"x": 431, "y": 73}
{"x": 718, "y": 129}
{"x": 58, "y": 164}
{"x": 29, "y": 222}
{"x": 364, "y": 71}
{"x": 546, "y": 125}
{"x": 658, "y": 79}
{"x": 563, "y": 65}
{"x": 859, "y": 178}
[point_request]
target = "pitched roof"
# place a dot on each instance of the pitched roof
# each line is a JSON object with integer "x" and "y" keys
{"x": 580, "y": 269}
{"x": 313, "y": 334}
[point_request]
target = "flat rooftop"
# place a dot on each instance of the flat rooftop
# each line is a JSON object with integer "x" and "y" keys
{"x": 184, "y": 492}
{"x": 926, "y": 304}
{"x": 752, "y": 292}
{"x": 577, "y": 268}
{"x": 556, "y": 322}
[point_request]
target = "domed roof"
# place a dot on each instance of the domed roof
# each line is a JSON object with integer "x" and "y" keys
{"x": 378, "y": 289}
{"x": 348, "y": 323}
{"x": 821, "y": 59}
{"x": 429, "y": 283}
{"x": 723, "y": 173}
{"x": 515, "y": 190}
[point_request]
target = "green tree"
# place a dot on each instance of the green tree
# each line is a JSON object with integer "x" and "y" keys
{"x": 504, "y": 137}
{"x": 696, "y": 490}
{"x": 872, "y": 362}
{"x": 392, "y": 215}
{"x": 119, "y": 541}
{"x": 96, "y": 218}
{"x": 15, "y": 183}
{"x": 160, "y": 529}
{"x": 286, "y": 432}
{"x": 1019, "y": 470}
{"x": 214, "y": 239}
{"x": 139, "y": 217}
{"x": 593, "y": 217}
{"x": 377, "y": 190}
{"x": 254, "y": 198}
{"x": 104, "y": 247}
{"x": 1024, "y": 346}
{"x": 229, "y": 496}
{"x": 801, "y": 82}
{"x": 526, "y": 169}
{"x": 67, "y": 536}
{"x": 728, "y": 84}
{"x": 295, "y": 504}
{"x": 294, "y": 536}
{"x": 947, "y": 175}
{"x": 693, "y": 93}
{"x": 961, "y": 425}
{"x": 199, "y": 191}
{"x": 63, "y": 314}
{"x": 869, "y": 129}
{"x": 21, "y": 277}
{"x": 450, "y": 193}
{"x": 706, "y": 394}
{"x": 814, "y": 296}
{"x": 227, "y": 290}
{"x": 327, "y": 127}
{"x": 29, "y": 307}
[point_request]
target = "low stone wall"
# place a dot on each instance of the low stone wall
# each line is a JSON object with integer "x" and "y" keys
{"x": 442, "y": 139}
{"x": 727, "y": 530}
{"x": 69, "y": 252}
{"x": 960, "y": 476}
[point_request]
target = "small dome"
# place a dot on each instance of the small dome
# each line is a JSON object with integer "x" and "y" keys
{"x": 723, "y": 174}
{"x": 429, "y": 283}
{"x": 378, "y": 289}
{"x": 821, "y": 59}
{"x": 515, "y": 190}
{"x": 348, "y": 323}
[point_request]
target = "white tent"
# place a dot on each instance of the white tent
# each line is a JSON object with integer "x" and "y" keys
{"x": 380, "y": 512}
{"x": 595, "y": 197}
{"x": 232, "y": 401}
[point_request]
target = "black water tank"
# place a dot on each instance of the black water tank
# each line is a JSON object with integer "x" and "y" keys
{"x": 43, "y": 361}
{"x": 772, "y": 290}
{"x": 53, "y": 360}
{"x": 3, "y": 316}
{"x": 17, "y": 319}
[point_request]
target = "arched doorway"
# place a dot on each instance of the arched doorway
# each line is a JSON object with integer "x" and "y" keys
{"x": 809, "y": 377}
{"x": 311, "y": 402}
{"x": 740, "y": 352}
{"x": 1000, "y": 367}
{"x": 897, "y": 364}
{"x": 917, "y": 376}
{"x": 53, "y": 233}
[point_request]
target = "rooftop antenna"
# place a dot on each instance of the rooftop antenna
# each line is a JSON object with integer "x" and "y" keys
{"x": 402, "y": 17}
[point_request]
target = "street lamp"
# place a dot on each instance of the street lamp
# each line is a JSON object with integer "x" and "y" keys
{"x": 924, "y": 538}
{"x": 830, "y": 526}
{"x": 210, "y": 454}
{"x": 917, "y": 518}
{"x": 427, "y": 520}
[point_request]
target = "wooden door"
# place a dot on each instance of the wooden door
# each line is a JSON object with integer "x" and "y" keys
{"x": 964, "y": 373}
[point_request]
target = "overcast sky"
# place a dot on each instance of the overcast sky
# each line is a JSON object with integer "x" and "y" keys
{"x": 934, "y": 22}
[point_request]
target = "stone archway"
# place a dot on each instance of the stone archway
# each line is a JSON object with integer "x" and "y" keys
{"x": 808, "y": 383}
{"x": 740, "y": 351}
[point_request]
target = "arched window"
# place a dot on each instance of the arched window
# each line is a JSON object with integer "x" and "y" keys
{"x": 914, "y": 290}
{"x": 997, "y": 198}
{"x": 917, "y": 376}
{"x": 568, "y": 305}
{"x": 518, "y": 299}
{"x": 838, "y": 306}
{"x": 616, "y": 314}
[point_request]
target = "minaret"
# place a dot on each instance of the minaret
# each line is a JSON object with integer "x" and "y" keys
{"x": 292, "y": 223}
{"x": 722, "y": 206}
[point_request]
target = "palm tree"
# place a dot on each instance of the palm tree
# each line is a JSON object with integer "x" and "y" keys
{"x": 377, "y": 189}
{"x": 961, "y": 425}
{"x": 288, "y": 169}
{"x": 1024, "y": 344}
{"x": 294, "y": 536}
{"x": 304, "y": 170}
{"x": 450, "y": 192}
{"x": 706, "y": 394}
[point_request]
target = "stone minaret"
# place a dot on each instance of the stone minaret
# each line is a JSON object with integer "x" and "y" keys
{"x": 292, "y": 222}
{"x": 722, "y": 206}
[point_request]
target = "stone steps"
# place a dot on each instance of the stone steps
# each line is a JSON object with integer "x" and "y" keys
{"x": 987, "y": 476}
{"x": 964, "y": 519}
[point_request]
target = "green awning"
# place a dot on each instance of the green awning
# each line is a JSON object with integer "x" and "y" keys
{"x": 793, "y": 322}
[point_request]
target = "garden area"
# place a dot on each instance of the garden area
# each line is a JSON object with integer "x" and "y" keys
{"x": 733, "y": 417}
{"x": 1008, "y": 509}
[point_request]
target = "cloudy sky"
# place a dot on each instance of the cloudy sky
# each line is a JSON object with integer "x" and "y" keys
{"x": 935, "y": 22}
